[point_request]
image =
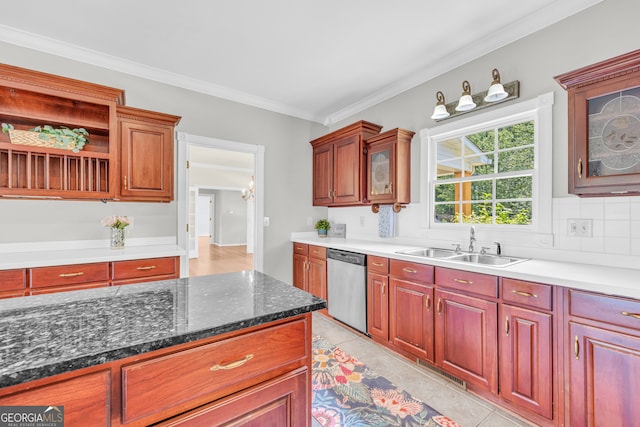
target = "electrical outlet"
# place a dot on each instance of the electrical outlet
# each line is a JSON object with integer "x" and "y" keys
{"x": 580, "y": 227}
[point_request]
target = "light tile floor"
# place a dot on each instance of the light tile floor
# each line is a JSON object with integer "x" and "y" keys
{"x": 435, "y": 390}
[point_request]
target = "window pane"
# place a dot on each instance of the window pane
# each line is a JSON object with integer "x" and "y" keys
{"x": 445, "y": 213}
{"x": 514, "y": 188}
{"x": 480, "y": 190}
{"x": 516, "y": 135}
{"x": 481, "y": 142}
{"x": 481, "y": 213}
{"x": 518, "y": 213}
{"x": 445, "y": 176}
{"x": 515, "y": 160}
{"x": 479, "y": 165}
{"x": 449, "y": 155}
{"x": 445, "y": 192}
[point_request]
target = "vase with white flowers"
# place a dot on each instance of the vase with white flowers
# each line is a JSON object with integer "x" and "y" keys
{"x": 117, "y": 223}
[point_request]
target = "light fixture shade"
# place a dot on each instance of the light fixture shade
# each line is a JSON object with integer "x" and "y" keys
{"x": 440, "y": 111}
{"x": 466, "y": 101}
{"x": 496, "y": 91}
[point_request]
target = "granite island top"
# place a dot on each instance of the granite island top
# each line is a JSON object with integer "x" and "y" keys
{"x": 45, "y": 335}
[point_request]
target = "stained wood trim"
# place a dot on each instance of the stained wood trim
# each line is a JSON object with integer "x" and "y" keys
{"x": 600, "y": 71}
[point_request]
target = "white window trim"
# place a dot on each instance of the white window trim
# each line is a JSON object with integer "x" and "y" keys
{"x": 539, "y": 234}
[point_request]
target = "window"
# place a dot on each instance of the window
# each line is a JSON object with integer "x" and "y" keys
{"x": 493, "y": 169}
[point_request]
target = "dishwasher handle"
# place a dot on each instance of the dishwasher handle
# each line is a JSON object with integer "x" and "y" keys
{"x": 348, "y": 257}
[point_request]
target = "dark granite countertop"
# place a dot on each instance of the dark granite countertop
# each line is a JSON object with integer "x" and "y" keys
{"x": 45, "y": 335}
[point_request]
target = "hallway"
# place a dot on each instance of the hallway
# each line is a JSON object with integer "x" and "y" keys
{"x": 219, "y": 259}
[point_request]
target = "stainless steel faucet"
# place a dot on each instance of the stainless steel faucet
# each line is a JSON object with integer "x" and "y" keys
{"x": 472, "y": 238}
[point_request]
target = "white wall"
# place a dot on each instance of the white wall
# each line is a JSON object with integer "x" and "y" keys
{"x": 230, "y": 219}
{"x": 603, "y": 31}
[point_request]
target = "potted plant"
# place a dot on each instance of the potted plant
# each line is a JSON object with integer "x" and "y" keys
{"x": 48, "y": 136}
{"x": 322, "y": 226}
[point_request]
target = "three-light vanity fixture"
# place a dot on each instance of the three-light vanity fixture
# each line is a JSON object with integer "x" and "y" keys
{"x": 467, "y": 102}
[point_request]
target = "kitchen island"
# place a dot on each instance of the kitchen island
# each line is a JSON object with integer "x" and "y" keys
{"x": 202, "y": 349}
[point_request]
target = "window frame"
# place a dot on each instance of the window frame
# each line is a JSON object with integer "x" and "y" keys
{"x": 540, "y": 111}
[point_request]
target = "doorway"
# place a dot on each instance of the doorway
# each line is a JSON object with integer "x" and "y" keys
{"x": 222, "y": 172}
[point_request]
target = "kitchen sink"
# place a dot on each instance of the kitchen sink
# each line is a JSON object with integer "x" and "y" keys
{"x": 428, "y": 252}
{"x": 486, "y": 259}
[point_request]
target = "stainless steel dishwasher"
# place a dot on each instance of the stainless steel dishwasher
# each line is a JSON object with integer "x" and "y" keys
{"x": 347, "y": 288}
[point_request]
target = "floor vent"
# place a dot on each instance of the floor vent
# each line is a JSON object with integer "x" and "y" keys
{"x": 439, "y": 371}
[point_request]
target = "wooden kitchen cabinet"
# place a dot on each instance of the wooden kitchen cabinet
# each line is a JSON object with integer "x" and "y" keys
{"x": 310, "y": 269}
{"x": 13, "y": 283}
{"x": 338, "y": 165}
{"x": 603, "y": 352}
{"x": 146, "y": 155}
{"x": 411, "y": 326}
{"x": 378, "y": 297}
{"x": 68, "y": 277}
{"x": 389, "y": 168}
{"x": 466, "y": 327}
{"x": 527, "y": 377}
{"x": 144, "y": 270}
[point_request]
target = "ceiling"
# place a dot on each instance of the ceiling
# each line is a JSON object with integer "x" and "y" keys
{"x": 317, "y": 60}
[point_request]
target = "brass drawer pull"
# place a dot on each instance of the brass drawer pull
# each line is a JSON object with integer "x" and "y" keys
{"x": 383, "y": 286}
{"x": 580, "y": 168}
{"x": 79, "y": 273}
{"x": 576, "y": 348}
{"x": 409, "y": 270}
{"x": 439, "y": 305}
{"x": 377, "y": 264}
{"x": 525, "y": 294}
{"x": 464, "y": 282}
{"x": 427, "y": 302}
{"x": 232, "y": 365}
{"x": 506, "y": 325}
{"x": 125, "y": 182}
{"x": 634, "y": 315}
{"x": 150, "y": 267}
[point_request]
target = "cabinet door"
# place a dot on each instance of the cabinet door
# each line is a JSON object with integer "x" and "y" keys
{"x": 466, "y": 338}
{"x": 144, "y": 270}
{"x": 603, "y": 379}
{"x": 13, "y": 283}
{"x": 378, "y": 305}
{"x": 283, "y": 401}
{"x": 146, "y": 154}
{"x": 381, "y": 186}
{"x": 300, "y": 271}
{"x": 347, "y": 171}
{"x": 323, "y": 175}
{"x": 317, "y": 277}
{"x": 526, "y": 374}
{"x": 411, "y": 317}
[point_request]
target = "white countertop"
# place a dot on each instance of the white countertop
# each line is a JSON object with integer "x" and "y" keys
{"x": 597, "y": 278}
{"x": 82, "y": 256}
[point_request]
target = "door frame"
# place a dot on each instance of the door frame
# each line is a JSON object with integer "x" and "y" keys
{"x": 184, "y": 140}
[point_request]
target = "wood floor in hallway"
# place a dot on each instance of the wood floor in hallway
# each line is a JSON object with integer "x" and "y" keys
{"x": 219, "y": 259}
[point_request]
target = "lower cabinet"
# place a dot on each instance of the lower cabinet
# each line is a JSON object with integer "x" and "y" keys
{"x": 144, "y": 270}
{"x": 280, "y": 402}
{"x": 378, "y": 297}
{"x": 13, "y": 283}
{"x": 68, "y": 277}
{"x": 603, "y": 351}
{"x": 310, "y": 269}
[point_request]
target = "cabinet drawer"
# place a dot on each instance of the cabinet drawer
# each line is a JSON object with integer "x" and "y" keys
{"x": 13, "y": 280}
{"x": 535, "y": 295}
{"x": 376, "y": 264}
{"x": 43, "y": 277}
{"x": 192, "y": 375}
{"x": 144, "y": 268}
{"x": 300, "y": 248}
{"x": 609, "y": 309}
{"x": 481, "y": 284}
{"x": 318, "y": 252}
{"x": 411, "y": 271}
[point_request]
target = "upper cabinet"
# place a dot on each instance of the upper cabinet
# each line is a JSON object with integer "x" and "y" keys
{"x": 146, "y": 155}
{"x": 389, "y": 168}
{"x": 338, "y": 165}
{"x": 604, "y": 126}
{"x": 31, "y": 169}
{"x": 122, "y": 142}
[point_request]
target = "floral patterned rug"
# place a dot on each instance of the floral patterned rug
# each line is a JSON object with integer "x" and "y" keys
{"x": 347, "y": 393}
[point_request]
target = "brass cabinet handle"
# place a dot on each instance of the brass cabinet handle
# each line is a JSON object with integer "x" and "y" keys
{"x": 427, "y": 302}
{"x": 580, "y": 168}
{"x": 232, "y": 365}
{"x": 634, "y": 315}
{"x": 79, "y": 273}
{"x": 409, "y": 270}
{"x": 439, "y": 305}
{"x": 383, "y": 286}
{"x": 465, "y": 282}
{"x": 149, "y": 267}
{"x": 125, "y": 182}
{"x": 525, "y": 294}
{"x": 576, "y": 348}
{"x": 377, "y": 264}
{"x": 506, "y": 325}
